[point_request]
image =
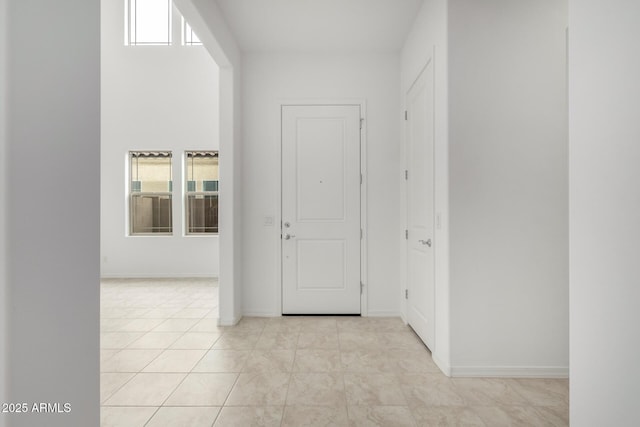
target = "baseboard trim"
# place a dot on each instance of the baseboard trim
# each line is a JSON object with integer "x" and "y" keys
{"x": 383, "y": 314}
{"x": 444, "y": 367}
{"x": 150, "y": 277}
{"x": 251, "y": 313}
{"x": 404, "y": 318}
{"x": 229, "y": 321}
{"x": 510, "y": 371}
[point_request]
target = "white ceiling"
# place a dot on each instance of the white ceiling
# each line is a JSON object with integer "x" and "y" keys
{"x": 320, "y": 25}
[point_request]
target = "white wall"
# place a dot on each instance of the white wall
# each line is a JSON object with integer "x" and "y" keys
{"x": 508, "y": 187}
{"x": 271, "y": 77}
{"x": 604, "y": 98}
{"x": 154, "y": 98}
{"x": 4, "y": 188}
{"x": 428, "y": 39}
{"x": 53, "y": 208}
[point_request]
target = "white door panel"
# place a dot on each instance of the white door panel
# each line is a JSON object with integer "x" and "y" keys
{"x": 321, "y": 209}
{"x": 420, "y": 206}
{"x": 321, "y": 169}
{"x": 328, "y": 274}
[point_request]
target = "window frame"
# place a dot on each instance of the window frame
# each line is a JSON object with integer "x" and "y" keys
{"x": 187, "y": 193}
{"x": 130, "y": 30}
{"x": 136, "y": 194}
{"x": 188, "y": 41}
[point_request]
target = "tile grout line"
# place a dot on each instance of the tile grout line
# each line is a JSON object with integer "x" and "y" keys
{"x": 119, "y": 388}
{"x": 293, "y": 364}
{"x": 152, "y": 415}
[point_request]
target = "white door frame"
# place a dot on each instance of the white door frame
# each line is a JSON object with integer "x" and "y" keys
{"x": 363, "y": 190}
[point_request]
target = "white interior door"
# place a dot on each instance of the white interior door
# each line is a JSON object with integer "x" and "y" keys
{"x": 420, "y": 200}
{"x": 321, "y": 209}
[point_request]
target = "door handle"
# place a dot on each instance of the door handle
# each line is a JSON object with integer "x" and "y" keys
{"x": 288, "y": 236}
{"x": 425, "y": 242}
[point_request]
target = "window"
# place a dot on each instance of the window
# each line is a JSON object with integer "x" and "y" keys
{"x": 150, "y": 190}
{"x": 148, "y": 22}
{"x": 189, "y": 38}
{"x": 202, "y": 192}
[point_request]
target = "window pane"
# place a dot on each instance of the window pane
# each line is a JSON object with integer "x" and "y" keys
{"x": 151, "y": 186}
{"x": 151, "y": 171}
{"x": 203, "y": 213}
{"x": 210, "y": 185}
{"x": 202, "y": 167}
{"x": 151, "y": 214}
{"x": 150, "y": 22}
{"x": 202, "y": 192}
{"x": 190, "y": 38}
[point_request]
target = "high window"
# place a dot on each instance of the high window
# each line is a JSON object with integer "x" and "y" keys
{"x": 189, "y": 38}
{"x": 150, "y": 192}
{"x": 148, "y": 22}
{"x": 201, "y": 192}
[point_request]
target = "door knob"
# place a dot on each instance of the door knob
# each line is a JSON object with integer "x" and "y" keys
{"x": 425, "y": 242}
{"x": 288, "y": 236}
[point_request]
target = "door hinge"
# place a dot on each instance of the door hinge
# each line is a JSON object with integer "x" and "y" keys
{"x": 361, "y": 288}
{"x": 361, "y": 234}
{"x": 406, "y": 115}
{"x": 406, "y": 234}
{"x": 361, "y": 121}
{"x": 361, "y": 179}
{"x": 406, "y": 294}
{"x": 406, "y": 174}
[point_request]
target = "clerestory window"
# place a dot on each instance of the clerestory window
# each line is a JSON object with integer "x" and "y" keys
{"x": 150, "y": 22}
{"x": 189, "y": 38}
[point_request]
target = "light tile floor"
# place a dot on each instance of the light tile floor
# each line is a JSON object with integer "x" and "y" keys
{"x": 165, "y": 362}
